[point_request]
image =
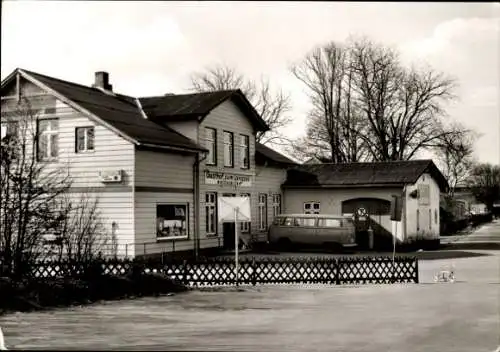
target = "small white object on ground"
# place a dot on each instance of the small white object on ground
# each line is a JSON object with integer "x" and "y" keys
{"x": 2, "y": 342}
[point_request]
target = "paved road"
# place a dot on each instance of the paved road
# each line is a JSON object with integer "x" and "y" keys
{"x": 486, "y": 234}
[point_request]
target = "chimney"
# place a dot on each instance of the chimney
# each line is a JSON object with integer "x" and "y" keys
{"x": 102, "y": 81}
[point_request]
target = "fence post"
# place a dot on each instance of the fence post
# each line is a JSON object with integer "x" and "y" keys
{"x": 416, "y": 270}
{"x": 337, "y": 271}
{"x": 254, "y": 274}
{"x": 184, "y": 272}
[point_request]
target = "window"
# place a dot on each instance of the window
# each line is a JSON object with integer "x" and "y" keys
{"x": 304, "y": 222}
{"x": 244, "y": 151}
{"x": 211, "y": 213}
{"x": 48, "y": 137}
{"x": 329, "y": 223}
{"x": 172, "y": 220}
{"x": 262, "y": 212}
{"x": 423, "y": 195}
{"x": 311, "y": 207}
{"x": 245, "y": 225}
{"x": 211, "y": 144}
{"x": 418, "y": 220}
{"x": 84, "y": 139}
{"x": 276, "y": 205}
{"x": 8, "y": 129}
{"x": 228, "y": 149}
{"x": 435, "y": 216}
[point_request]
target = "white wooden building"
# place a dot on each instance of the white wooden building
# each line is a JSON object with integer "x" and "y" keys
{"x": 157, "y": 164}
{"x": 365, "y": 191}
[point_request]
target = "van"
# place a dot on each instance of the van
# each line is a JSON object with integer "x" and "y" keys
{"x": 333, "y": 232}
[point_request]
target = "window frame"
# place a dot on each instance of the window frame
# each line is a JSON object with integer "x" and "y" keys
{"x": 47, "y": 134}
{"x": 245, "y": 225}
{"x": 186, "y": 220}
{"x": 214, "y": 145}
{"x": 312, "y": 209}
{"x": 262, "y": 212}
{"x": 208, "y": 205}
{"x": 276, "y": 204}
{"x": 244, "y": 151}
{"x": 231, "y": 151}
{"x": 86, "y": 139}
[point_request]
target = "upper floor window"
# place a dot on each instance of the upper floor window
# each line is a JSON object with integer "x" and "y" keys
{"x": 311, "y": 207}
{"x": 211, "y": 144}
{"x": 228, "y": 149}
{"x": 48, "y": 138}
{"x": 84, "y": 139}
{"x": 244, "y": 151}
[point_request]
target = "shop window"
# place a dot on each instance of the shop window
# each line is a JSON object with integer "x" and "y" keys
{"x": 172, "y": 220}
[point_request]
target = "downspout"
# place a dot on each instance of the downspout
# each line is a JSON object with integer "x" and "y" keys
{"x": 196, "y": 190}
{"x": 405, "y": 234}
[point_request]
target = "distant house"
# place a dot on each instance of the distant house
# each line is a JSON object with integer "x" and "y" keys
{"x": 158, "y": 164}
{"x": 364, "y": 191}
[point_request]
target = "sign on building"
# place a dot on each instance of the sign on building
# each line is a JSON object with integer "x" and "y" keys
{"x": 227, "y": 179}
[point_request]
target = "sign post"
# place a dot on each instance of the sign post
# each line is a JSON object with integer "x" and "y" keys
{"x": 234, "y": 209}
{"x": 236, "y": 242}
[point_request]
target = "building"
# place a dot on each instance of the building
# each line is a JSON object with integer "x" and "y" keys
{"x": 157, "y": 164}
{"x": 365, "y": 191}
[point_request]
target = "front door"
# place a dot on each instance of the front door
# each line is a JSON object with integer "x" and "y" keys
{"x": 366, "y": 213}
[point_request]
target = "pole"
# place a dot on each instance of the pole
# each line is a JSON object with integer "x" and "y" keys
{"x": 236, "y": 243}
{"x": 394, "y": 247}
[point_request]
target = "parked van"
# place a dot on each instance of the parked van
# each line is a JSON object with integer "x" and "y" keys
{"x": 332, "y": 232}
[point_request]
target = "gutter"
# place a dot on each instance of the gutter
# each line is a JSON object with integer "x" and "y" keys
{"x": 181, "y": 149}
{"x": 404, "y": 220}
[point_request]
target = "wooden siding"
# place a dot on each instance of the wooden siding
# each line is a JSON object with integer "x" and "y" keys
{"x": 186, "y": 128}
{"x": 225, "y": 117}
{"x": 115, "y": 207}
{"x": 145, "y": 222}
{"x": 160, "y": 169}
{"x": 111, "y": 152}
{"x": 411, "y": 210}
{"x": 268, "y": 181}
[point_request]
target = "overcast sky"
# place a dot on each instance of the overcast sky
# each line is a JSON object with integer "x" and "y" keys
{"x": 151, "y": 48}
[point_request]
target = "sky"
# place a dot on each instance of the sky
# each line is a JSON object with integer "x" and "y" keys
{"x": 152, "y": 48}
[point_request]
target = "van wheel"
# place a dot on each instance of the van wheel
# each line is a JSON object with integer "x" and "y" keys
{"x": 333, "y": 247}
{"x": 284, "y": 244}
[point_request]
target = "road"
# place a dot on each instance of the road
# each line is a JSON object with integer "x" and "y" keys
{"x": 487, "y": 235}
{"x": 448, "y": 317}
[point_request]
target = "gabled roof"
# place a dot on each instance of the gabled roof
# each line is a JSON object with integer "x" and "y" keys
{"x": 177, "y": 107}
{"x": 393, "y": 173}
{"x": 264, "y": 154}
{"x": 118, "y": 112}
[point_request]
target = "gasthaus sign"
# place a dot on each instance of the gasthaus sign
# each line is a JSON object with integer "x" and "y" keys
{"x": 227, "y": 179}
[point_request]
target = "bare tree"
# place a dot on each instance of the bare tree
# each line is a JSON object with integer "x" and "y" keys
{"x": 35, "y": 199}
{"x": 334, "y": 121}
{"x": 454, "y": 156}
{"x": 82, "y": 235}
{"x": 29, "y": 190}
{"x": 484, "y": 182}
{"x": 361, "y": 93}
{"x": 272, "y": 106}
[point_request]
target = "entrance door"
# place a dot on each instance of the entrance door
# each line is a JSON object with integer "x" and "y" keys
{"x": 228, "y": 235}
{"x": 370, "y": 212}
